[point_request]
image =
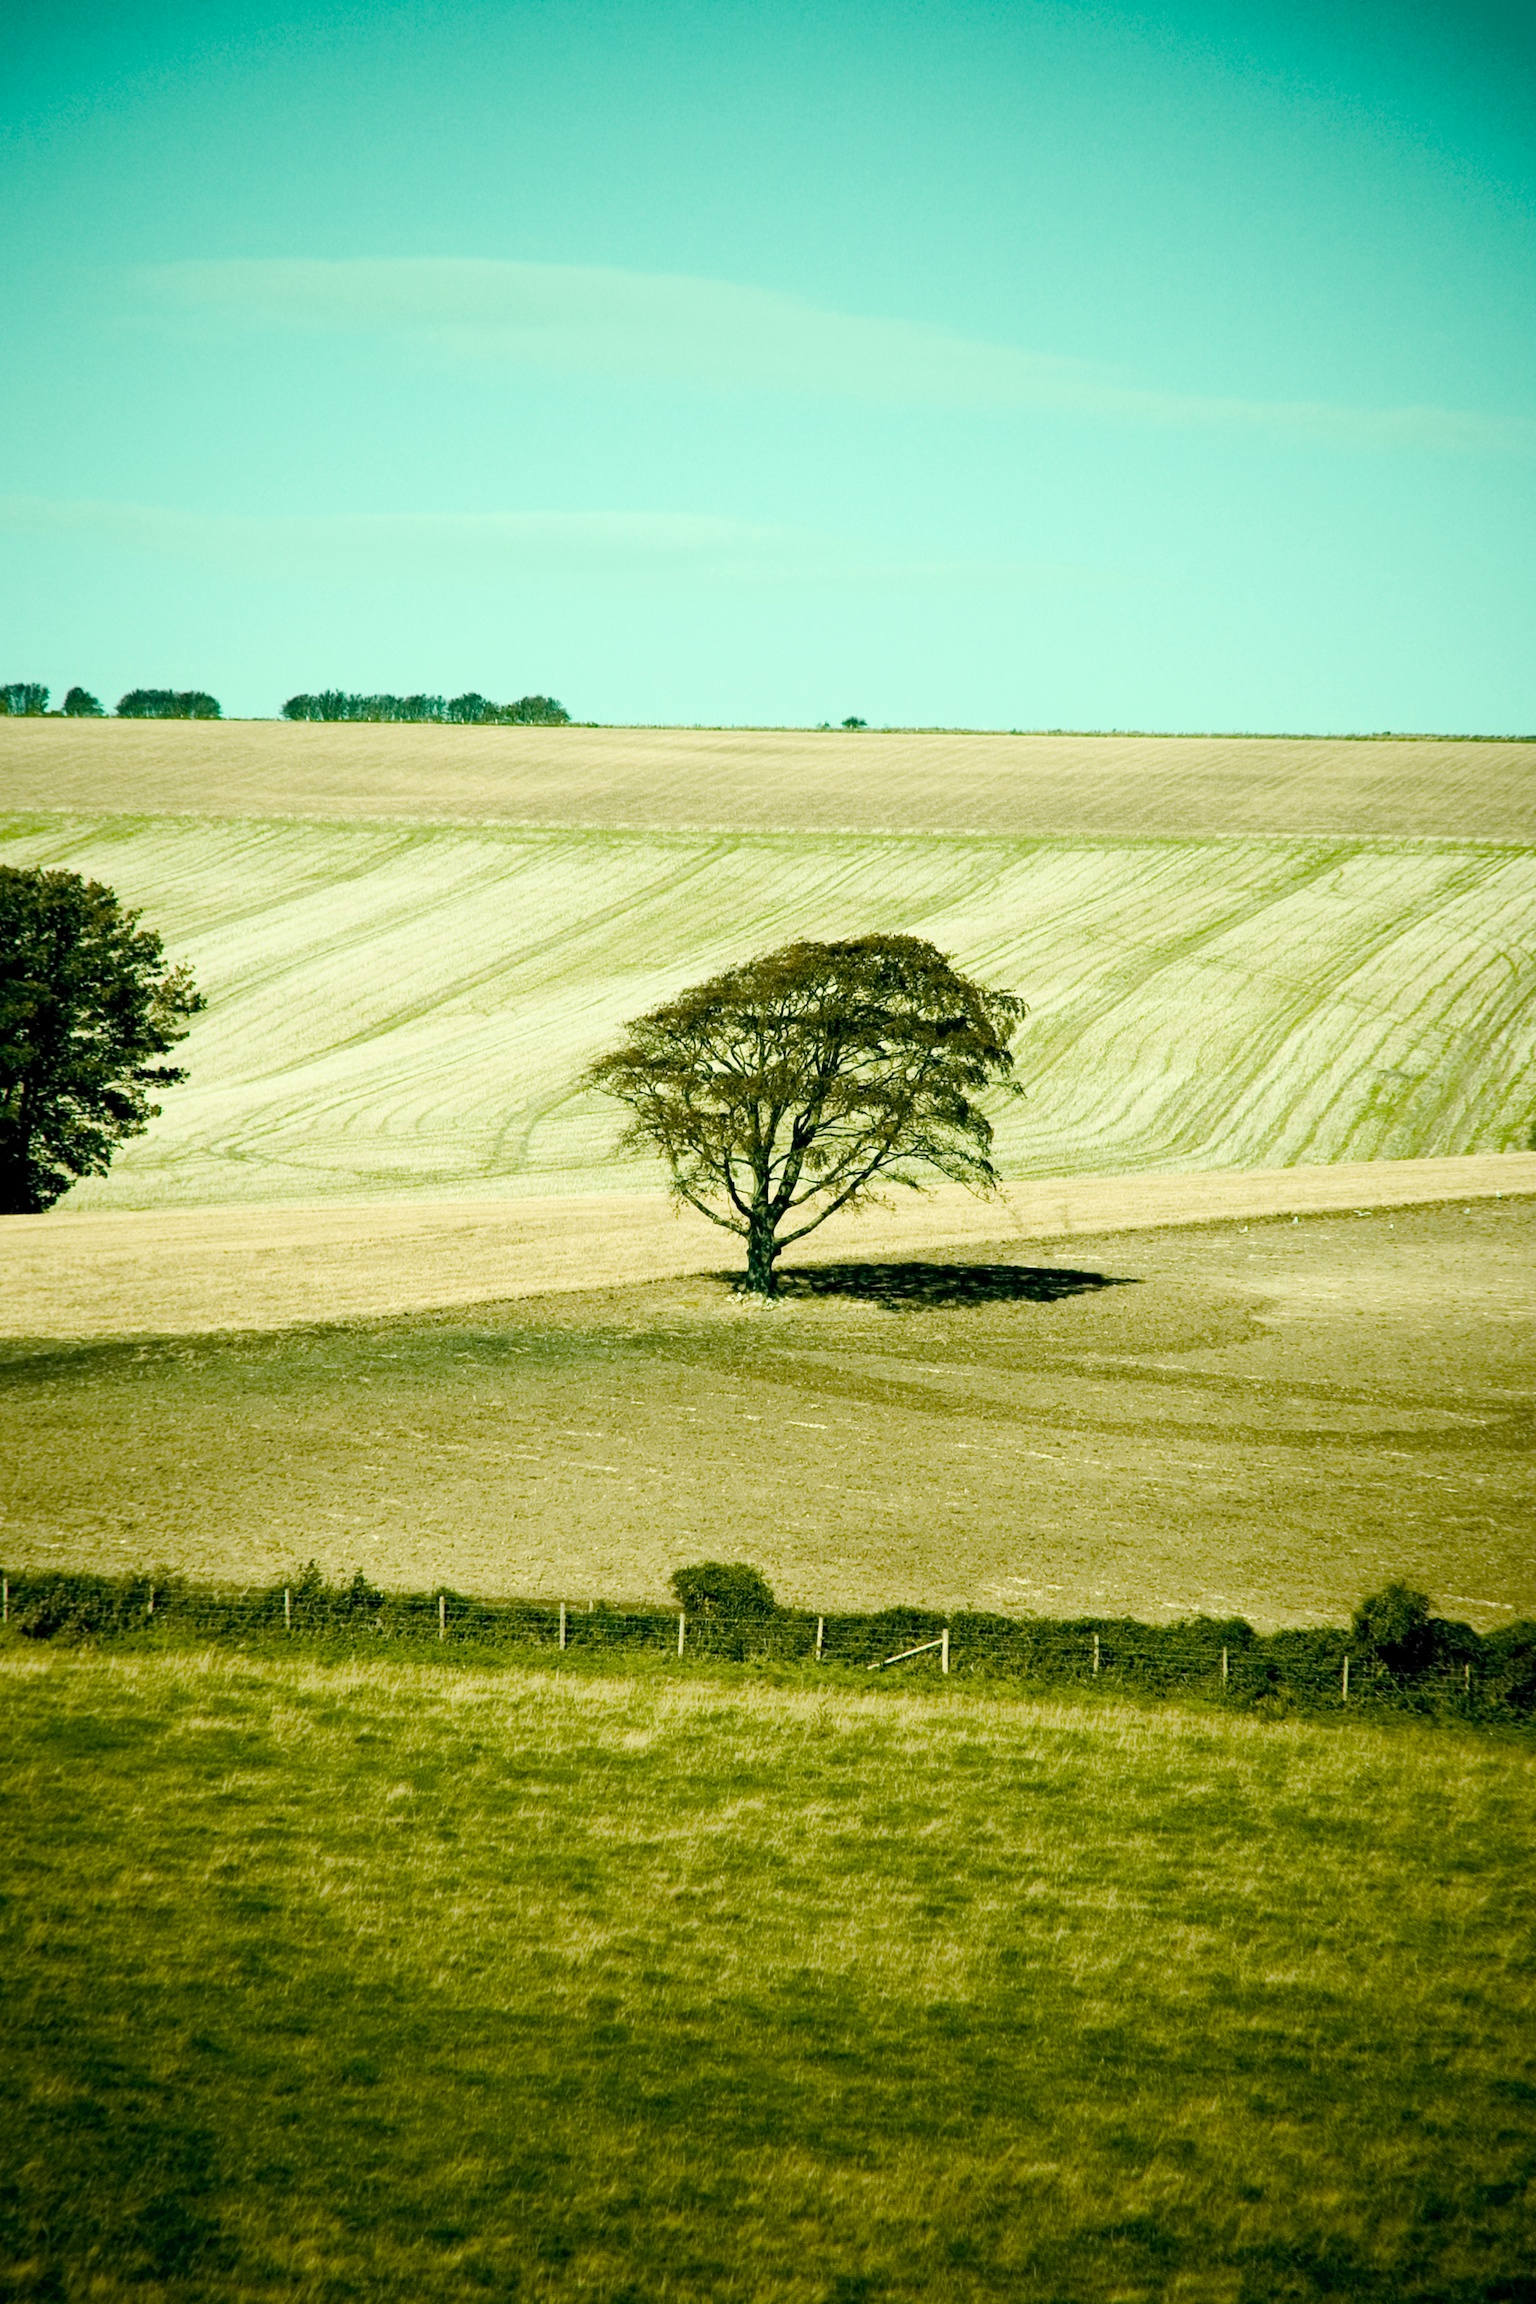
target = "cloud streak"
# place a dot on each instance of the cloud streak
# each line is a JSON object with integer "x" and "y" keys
{"x": 507, "y": 547}
{"x": 569, "y": 319}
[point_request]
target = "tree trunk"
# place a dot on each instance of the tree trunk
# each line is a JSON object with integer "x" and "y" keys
{"x": 762, "y": 1248}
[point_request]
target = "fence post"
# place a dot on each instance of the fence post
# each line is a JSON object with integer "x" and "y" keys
{"x": 1223, "y": 1667}
{"x": 562, "y": 1623}
{"x": 5, "y": 1599}
{"x": 442, "y": 1616}
{"x": 1344, "y": 1699}
{"x": 1095, "y": 1651}
{"x": 944, "y": 1650}
{"x": 682, "y": 1631}
{"x": 287, "y": 1608}
{"x": 149, "y": 1611}
{"x": 821, "y": 1631}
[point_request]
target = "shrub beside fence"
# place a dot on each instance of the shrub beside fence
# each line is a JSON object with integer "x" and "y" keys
{"x": 1458, "y": 1672}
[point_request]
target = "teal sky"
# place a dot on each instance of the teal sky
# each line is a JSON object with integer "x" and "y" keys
{"x": 1009, "y": 365}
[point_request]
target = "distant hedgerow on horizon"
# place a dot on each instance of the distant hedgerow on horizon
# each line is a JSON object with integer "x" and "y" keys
{"x": 469, "y": 710}
{"x": 168, "y": 704}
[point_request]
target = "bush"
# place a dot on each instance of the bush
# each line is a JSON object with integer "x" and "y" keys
{"x": 168, "y": 704}
{"x": 315, "y": 1606}
{"x": 1509, "y": 1666}
{"x": 1393, "y": 1626}
{"x": 73, "y": 1607}
{"x": 729, "y": 1591}
{"x": 80, "y": 704}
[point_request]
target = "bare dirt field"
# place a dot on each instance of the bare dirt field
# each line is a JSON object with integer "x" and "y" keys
{"x": 1265, "y": 1417}
{"x": 92, "y": 1273}
{"x": 1179, "y": 787}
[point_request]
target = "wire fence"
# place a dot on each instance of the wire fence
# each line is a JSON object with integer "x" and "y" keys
{"x": 1460, "y": 1673}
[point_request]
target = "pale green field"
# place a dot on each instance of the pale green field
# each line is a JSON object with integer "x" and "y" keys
{"x": 404, "y": 1009}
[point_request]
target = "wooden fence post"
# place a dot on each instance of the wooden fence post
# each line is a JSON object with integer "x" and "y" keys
{"x": 442, "y": 1616}
{"x": 1095, "y": 1651}
{"x": 1344, "y": 1699}
{"x": 944, "y": 1650}
{"x": 149, "y": 1611}
{"x": 821, "y": 1631}
{"x": 562, "y": 1623}
{"x": 682, "y": 1631}
{"x": 5, "y": 1599}
{"x": 1223, "y": 1667}
{"x": 287, "y": 1608}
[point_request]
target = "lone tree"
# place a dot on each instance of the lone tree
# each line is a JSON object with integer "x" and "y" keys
{"x": 86, "y": 1002}
{"x": 794, "y": 1082}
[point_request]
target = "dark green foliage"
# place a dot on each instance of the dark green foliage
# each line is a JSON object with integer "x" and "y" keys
{"x": 168, "y": 704}
{"x": 80, "y": 704}
{"x": 71, "y": 1607}
{"x": 732, "y": 1616}
{"x": 23, "y": 700}
{"x": 853, "y": 721}
{"x": 1393, "y": 1626}
{"x": 535, "y": 712}
{"x": 86, "y": 1000}
{"x": 786, "y": 1087}
{"x": 726, "y": 1589}
{"x": 468, "y": 710}
{"x": 1508, "y": 1666}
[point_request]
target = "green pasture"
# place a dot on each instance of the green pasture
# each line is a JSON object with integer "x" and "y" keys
{"x": 395, "y": 1008}
{"x": 420, "y": 1981}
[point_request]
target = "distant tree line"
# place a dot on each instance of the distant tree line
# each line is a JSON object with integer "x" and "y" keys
{"x": 168, "y": 704}
{"x": 28, "y": 700}
{"x": 470, "y": 710}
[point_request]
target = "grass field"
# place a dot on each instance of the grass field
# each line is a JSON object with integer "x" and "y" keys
{"x": 1265, "y": 1420}
{"x": 418, "y": 1984}
{"x": 406, "y": 1009}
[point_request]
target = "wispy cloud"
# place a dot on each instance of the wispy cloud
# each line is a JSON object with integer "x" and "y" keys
{"x": 585, "y": 319}
{"x": 508, "y": 547}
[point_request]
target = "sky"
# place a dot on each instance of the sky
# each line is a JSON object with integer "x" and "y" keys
{"x": 948, "y": 364}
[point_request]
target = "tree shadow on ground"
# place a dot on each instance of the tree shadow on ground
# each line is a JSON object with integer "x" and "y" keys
{"x": 939, "y": 1284}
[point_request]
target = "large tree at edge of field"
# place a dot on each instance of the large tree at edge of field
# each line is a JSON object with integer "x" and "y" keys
{"x": 793, "y": 1084}
{"x": 87, "y": 1002}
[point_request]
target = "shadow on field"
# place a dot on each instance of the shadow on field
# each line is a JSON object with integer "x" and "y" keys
{"x": 896, "y": 1284}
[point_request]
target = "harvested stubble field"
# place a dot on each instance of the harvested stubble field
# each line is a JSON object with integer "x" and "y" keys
{"x": 782, "y": 779}
{"x": 1263, "y": 1419}
{"x": 1233, "y": 964}
{"x": 420, "y": 1983}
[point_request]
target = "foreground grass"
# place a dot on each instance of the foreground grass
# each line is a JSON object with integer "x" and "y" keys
{"x": 397, "y": 1981}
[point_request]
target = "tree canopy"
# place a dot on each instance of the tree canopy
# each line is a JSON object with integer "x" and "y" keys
{"x": 469, "y": 710}
{"x": 87, "y": 1002}
{"x": 23, "y": 699}
{"x": 80, "y": 704}
{"x": 168, "y": 704}
{"x": 790, "y": 1086}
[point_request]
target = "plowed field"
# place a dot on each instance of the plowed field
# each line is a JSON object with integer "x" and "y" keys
{"x": 401, "y": 1009}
